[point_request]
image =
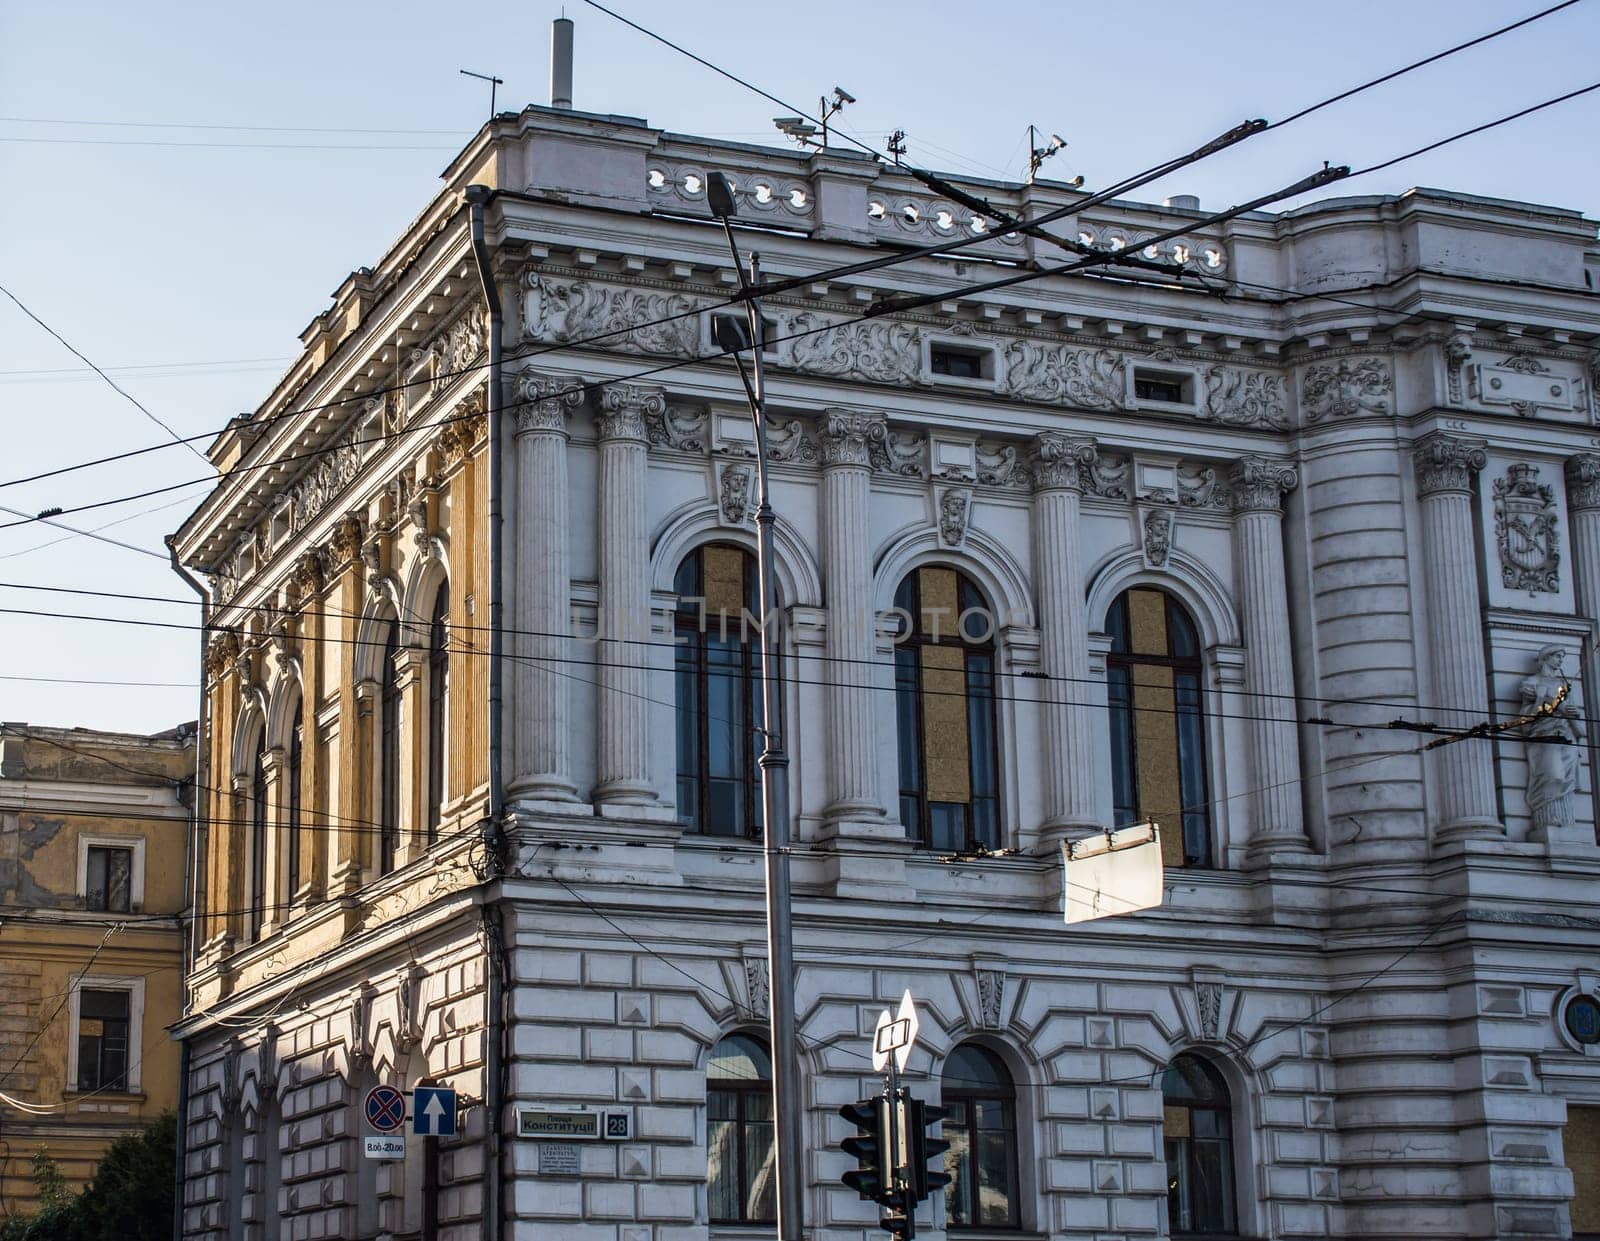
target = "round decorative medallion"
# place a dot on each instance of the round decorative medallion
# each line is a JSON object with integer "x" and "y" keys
{"x": 1582, "y": 1019}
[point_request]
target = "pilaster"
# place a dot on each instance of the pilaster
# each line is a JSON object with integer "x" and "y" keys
{"x": 623, "y": 746}
{"x": 1058, "y": 463}
{"x": 1445, "y": 466}
{"x": 847, "y": 586}
{"x": 541, "y": 763}
{"x": 1258, "y": 486}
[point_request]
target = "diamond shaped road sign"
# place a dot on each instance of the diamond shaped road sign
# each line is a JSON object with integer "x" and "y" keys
{"x": 895, "y": 1034}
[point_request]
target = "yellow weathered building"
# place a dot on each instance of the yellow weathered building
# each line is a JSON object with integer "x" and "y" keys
{"x": 92, "y": 828}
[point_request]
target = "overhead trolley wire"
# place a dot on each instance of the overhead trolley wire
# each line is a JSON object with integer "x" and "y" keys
{"x": 957, "y": 243}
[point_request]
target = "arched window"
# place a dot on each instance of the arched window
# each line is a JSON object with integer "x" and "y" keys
{"x": 294, "y": 766}
{"x": 741, "y": 1177}
{"x": 257, "y": 899}
{"x": 1197, "y": 1133}
{"x": 1158, "y": 755}
{"x": 438, "y": 707}
{"x": 718, "y": 671}
{"x": 981, "y": 1127}
{"x": 944, "y": 675}
{"x": 389, "y": 751}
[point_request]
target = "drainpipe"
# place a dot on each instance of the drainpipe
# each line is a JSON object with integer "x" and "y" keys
{"x": 478, "y": 196}
{"x": 186, "y": 944}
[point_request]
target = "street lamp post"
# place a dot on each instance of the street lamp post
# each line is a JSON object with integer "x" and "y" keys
{"x": 786, "y": 1099}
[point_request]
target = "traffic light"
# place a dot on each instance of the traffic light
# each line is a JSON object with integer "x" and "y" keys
{"x": 922, "y": 1147}
{"x": 872, "y": 1177}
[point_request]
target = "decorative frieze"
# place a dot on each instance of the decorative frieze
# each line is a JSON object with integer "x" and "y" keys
{"x": 878, "y": 350}
{"x": 1446, "y": 463}
{"x": 1346, "y": 388}
{"x": 1525, "y": 385}
{"x": 1243, "y": 398}
{"x": 1059, "y": 375}
{"x": 635, "y": 320}
{"x": 1526, "y": 532}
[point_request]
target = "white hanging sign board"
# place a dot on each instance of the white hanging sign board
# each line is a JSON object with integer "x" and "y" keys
{"x": 1112, "y": 873}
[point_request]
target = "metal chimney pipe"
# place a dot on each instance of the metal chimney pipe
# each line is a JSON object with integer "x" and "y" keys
{"x": 561, "y": 63}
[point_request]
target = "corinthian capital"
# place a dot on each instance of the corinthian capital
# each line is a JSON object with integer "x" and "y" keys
{"x": 1056, "y": 460}
{"x": 545, "y": 402}
{"x": 627, "y": 408}
{"x": 1259, "y": 483}
{"x": 1446, "y": 463}
{"x": 1583, "y": 482}
{"x": 850, "y": 438}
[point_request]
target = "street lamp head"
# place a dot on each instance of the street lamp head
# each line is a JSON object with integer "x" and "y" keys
{"x": 719, "y": 196}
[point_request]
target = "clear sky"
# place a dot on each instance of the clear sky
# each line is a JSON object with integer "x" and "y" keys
{"x": 186, "y": 224}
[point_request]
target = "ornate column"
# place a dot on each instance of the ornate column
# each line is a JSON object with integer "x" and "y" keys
{"x": 622, "y": 770}
{"x": 1464, "y": 771}
{"x": 1583, "y": 517}
{"x": 541, "y": 760}
{"x": 1258, "y": 486}
{"x": 1057, "y": 462}
{"x": 847, "y": 443}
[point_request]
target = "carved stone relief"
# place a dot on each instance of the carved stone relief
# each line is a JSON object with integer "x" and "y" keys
{"x": 1000, "y": 465}
{"x": 849, "y": 438}
{"x": 1346, "y": 388}
{"x": 1201, "y": 486}
{"x": 878, "y": 350}
{"x": 991, "y": 996}
{"x": 1555, "y": 740}
{"x": 904, "y": 453}
{"x": 1058, "y": 375}
{"x": 756, "y": 985}
{"x": 733, "y": 494}
{"x": 955, "y": 506}
{"x": 1157, "y": 528}
{"x": 635, "y": 320}
{"x": 1208, "y": 1000}
{"x": 1524, "y": 385}
{"x": 1107, "y": 477}
{"x": 677, "y": 426}
{"x": 791, "y": 440}
{"x": 1526, "y": 532}
{"x": 1242, "y": 398}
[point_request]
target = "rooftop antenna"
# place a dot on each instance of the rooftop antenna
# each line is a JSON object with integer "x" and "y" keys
{"x": 494, "y": 84}
{"x": 1038, "y": 154}
{"x": 803, "y": 131}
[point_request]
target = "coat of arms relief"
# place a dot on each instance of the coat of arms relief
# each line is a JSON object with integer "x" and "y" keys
{"x": 1526, "y": 532}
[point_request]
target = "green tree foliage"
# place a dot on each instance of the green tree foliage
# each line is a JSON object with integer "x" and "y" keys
{"x": 129, "y": 1199}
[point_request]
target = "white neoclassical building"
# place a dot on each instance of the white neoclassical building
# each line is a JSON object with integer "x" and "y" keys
{"x": 1079, "y": 552}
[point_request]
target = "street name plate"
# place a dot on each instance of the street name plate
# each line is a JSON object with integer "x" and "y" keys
{"x": 538, "y": 1122}
{"x": 559, "y": 1159}
{"x": 383, "y": 1146}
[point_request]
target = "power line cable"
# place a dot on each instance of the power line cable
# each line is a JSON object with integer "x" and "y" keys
{"x": 1418, "y": 64}
{"x": 1122, "y": 185}
{"x": 115, "y": 387}
{"x": 269, "y": 129}
{"x": 707, "y": 624}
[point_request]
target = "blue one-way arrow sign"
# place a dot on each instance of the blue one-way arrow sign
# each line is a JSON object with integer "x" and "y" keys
{"x": 433, "y": 1112}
